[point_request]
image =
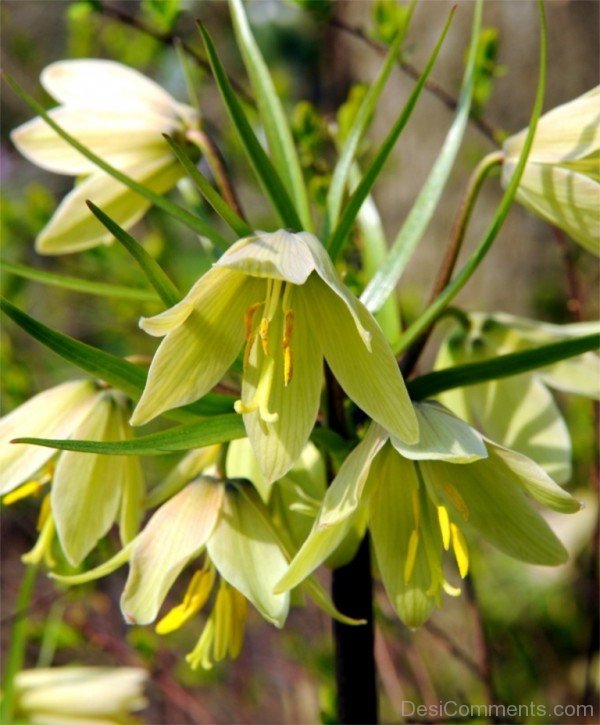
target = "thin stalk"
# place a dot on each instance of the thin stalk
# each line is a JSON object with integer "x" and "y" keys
{"x": 18, "y": 643}
{"x": 216, "y": 162}
{"x": 352, "y": 593}
{"x": 457, "y": 235}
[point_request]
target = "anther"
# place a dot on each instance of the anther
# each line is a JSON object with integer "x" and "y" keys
{"x": 264, "y": 335}
{"x": 249, "y": 319}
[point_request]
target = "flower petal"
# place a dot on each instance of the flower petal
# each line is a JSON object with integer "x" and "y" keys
{"x": 242, "y": 463}
{"x": 120, "y": 138}
{"x": 443, "y": 437}
{"x": 372, "y": 379}
{"x": 246, "y": 553}
{"x": 345, "y": 492}
{"x": 176, "y": 533}
{"x": 532, "y": 478}
{"x": 105, "y": 83}
{"x": 486, "y": 497}
{"x": 87, "y": 488}
{"x": 567, "y": 199}
{"x": 200, "y": 346}
{"x": 278, "y": 444}
{"x": 580, "y": 375}
{"x": 567, "y": 132}
{"x": 392, "y": 523}
{"x": 520, "y": 413}
{"x": 55, "y": 413}
{"x": 73, "y": 227}
{"x": 276, "y": 255}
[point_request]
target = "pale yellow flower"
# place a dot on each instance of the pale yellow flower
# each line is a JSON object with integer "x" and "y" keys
{"x": 120, "y": 115}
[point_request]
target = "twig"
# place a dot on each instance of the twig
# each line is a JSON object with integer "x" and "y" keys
{"x": 485, "y": 127}
{"x": 170, "y": 39}
{"x": 456, "y": 651}
{"x": 457, "y": 234}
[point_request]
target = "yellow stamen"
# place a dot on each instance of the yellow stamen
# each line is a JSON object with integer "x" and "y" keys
{"x": 45, "y": 512}
{"x": 288, "y": 360}
{"x": 200, "y": 655}
{"x": 42, "y": 551}
{"x": 248, "y": 350}
{"x": 240, "y": 611}
{"x": 461, "y": 552}
{"x": 411, "y": 556}
{"x": 288, "y": 365}
{"x": 223, "y": 622}
{"x": 30, "y": 488}
{"x": 457, "y": 500}
{"x": 264, "y": 335}
{"x": 444, "y": 521}
{"x": 195, "y": 598}
{"x": 249, "y": 319}
{"x": 449, "y": 589}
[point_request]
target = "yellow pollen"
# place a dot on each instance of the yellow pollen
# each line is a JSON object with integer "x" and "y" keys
{"x": 249, "y": 320}
{"x": 461, "y": 553}
{"x": 288, "y": 365}
{"x": 411, "y": 556}
{"x": 457, "y": 500}
{"x": 264, "y": 335}
{"x": 31, "y": 488}
{"x": 444, "y": 521}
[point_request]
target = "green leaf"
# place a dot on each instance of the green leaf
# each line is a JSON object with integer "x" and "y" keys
{"x": 174, "y": 210}
{"x": 76, "y": 284}
{"x": 356, "y": 132}
{"x": 340, "y": 234}
{"x": 167, "y": 291}
{"x": 443, "y": 300}
{"x": 217, "y": 429}
{"x": 277, "y": 130}
{"x": 266, "y": 174}
{"x": 114, "y": 370}
{"x": 385, "y": 280}
{"x": 500, "y": 367}
{"x": 212, "y": 196}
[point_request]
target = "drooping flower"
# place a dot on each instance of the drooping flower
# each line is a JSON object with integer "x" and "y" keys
{"x": 561, "y": 180}
{"x": 279, "y": 292}
{"x": 519, "y": 411}
{"x": 420, "y": 499}
{"x": 227, "y": 528}
{"x": 77, "y": 695}
{"x": 88, "y": 491}
{"x": 120, "y": 115}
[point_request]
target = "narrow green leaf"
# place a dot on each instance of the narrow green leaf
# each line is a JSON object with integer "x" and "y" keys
{"x": 176, "y": 211}
{"x": 157, "y": 277}
{"x": 500, "y": 367}
{"x": 76, "y": 284}
{"x": 102, "y": 365}
{"x": 384, "y": 282}
{"x": 211, "y": 195}
{"x": 339, "y": 235}
{"x": 443, "y": 300}
{"x": 357, "y": 130}
{"x": 277, "y": 130}
{"x": 269, "y": 179}
{"x": 217, "y": 429}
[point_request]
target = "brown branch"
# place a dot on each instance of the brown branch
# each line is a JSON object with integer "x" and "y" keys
{"x": 456, "y": 651}
{"x": 170, "y": 39}
{"x": 483, "y": 126}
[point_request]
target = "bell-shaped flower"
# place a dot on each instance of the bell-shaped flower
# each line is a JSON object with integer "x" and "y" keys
{"x": 279, "y": 292}
{"x": 561, "y": 179}
{"x": 120, "y": 115}
{"x": 519, "y": 411}
{"x": 77, "y": 695}
{"x": 88, "y": 491}
{"x": 225, "y": 527}
{"x": 420, "y": 500}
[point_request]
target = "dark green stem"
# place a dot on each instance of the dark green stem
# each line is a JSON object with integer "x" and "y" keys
{"x": 352, "y": 593}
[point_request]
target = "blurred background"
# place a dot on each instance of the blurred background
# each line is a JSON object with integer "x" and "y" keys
{"x": 519, "y": 633}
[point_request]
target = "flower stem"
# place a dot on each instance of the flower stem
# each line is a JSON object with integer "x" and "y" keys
{"x": 457, "y": 234}
{"x": 217, "y": 166}
{"x": 18, "y": 643}
{"x": 352, "y": 593}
